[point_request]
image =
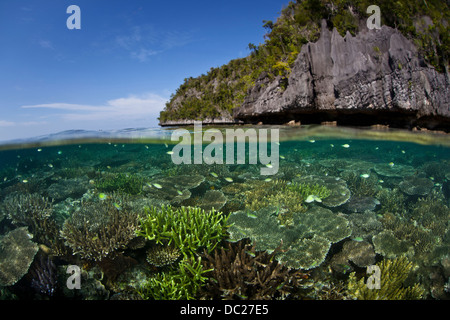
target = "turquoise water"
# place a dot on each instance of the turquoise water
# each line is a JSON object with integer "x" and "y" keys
{"x": 342, "y": 201}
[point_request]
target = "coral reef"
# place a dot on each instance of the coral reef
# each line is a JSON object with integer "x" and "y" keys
{"x": 389, "y": 246}
{"x": 120, "y": 182}
{"x": 339, "y": 193}
{"x": 100, "y": 229}
{"x": 44, "y": 277}
{"x": 35, "y": 212}
{"x": 182, "y": 283}
{"x": 361, "y": 253}
{"x": 162, "y": 255}
{"x": 416, "y": 185}
{"x": 17, "y": 252}
{"x": 304, "y": 245}
{"x": 65, "y": 188}
{"x": 213, "y": 199}
{"x": 394, "y": 170}
{"x": 238, "y": 271}
{"x": 174, "y": 189}
{"x": 393, "y": 283}
{"x": 186, "y": 228}
{"x": 361, "y": 204}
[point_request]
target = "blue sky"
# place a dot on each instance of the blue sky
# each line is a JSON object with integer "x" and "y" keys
{"x": 121, "y": 67}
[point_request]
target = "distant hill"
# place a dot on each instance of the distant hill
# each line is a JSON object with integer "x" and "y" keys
{"x": 234, "y": 91}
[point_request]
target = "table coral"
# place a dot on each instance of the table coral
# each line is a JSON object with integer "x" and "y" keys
{"x": 17, "y": 252}
{"x": 304, "y": 245}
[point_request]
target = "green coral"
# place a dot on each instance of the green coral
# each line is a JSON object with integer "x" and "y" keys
{"x": 187, "y": 228}
{"x": 393, "y": 280}
{"x": 120, "y": 182}
{"x": 288, "y": 197}
{"x": 182, "y": 283}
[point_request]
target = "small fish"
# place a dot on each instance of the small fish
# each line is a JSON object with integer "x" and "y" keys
{"x": 282, "y": 157}
{"x": 403, "y": 151}
{"x": 365, "y": 175}
{"x": 381, "y": 181}
{"x": 346, "y": 145}
{"x": 268, "y": 180}
{"x": 312, "y": 141}
{"x": 251, "y": 215}
{"x": 50, "y": 165}
{"x": 146, "y": 147}
{"x": 25, "y": 181}
{"x": 95, "y": 238}
{"x": 59, "y": 152}
{"x": 117, "y": 206}
{"x": 39, "y": 150}
{"x": 214, "y": 174}
{"x": 165, "y": 144}
{"x": 157, "y": 186}
{"x": 179, "y": 192}
{"x": 169, "y": 152}
{"x": 229, "y": 179}
{"x": 332, "y": 145}
{"x": 102, "y": 196}
{"x": 269, "y": 165}
{"x": 391, "y": 164}
{"x": 358, "y": 239}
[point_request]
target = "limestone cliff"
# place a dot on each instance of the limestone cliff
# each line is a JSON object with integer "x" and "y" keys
{"x": 377, "y": 76}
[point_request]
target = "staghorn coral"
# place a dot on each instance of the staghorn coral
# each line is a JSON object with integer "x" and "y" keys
{"x": 187, "y": 228}
{"x": 239, "y": 272}
{"x": 100, "y": 229}
{"x": 17, "y": 252}
{"x": 393, "y": 283}
{"x": 182, "y": 283}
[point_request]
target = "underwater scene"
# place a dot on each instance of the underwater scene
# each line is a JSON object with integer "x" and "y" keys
{"x": 347, "y": 215}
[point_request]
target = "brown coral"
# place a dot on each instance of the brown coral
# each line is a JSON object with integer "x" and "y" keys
{"x": 100, "y": 229}
{"x": 239, "y": 272}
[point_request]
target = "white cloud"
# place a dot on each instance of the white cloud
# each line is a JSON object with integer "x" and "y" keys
{"x": 4, "y": 123}
{"x": 132, "y": 108}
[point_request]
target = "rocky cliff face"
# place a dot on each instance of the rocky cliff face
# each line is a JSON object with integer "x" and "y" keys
{"x": 374, "y": 77}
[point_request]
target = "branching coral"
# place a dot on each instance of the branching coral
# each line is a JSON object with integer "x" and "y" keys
{"x": 239, "y": 272}
{"x": 182, "y": 283}
{"x": 100, "y": 229}
{"x": 187, "y": 228}
{"x": 393, "y": 277}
